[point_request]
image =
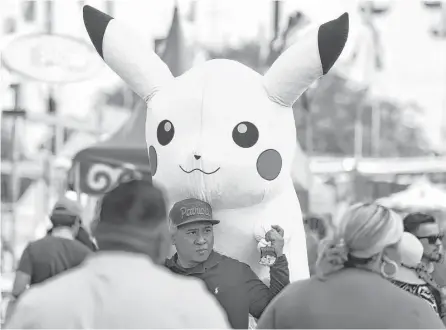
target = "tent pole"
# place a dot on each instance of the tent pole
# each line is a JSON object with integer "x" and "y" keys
{"x": 77, "y": 185}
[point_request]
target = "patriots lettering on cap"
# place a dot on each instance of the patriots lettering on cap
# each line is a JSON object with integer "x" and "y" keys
{"x": 195, "y": 211}
{"x": 191, "y": 210}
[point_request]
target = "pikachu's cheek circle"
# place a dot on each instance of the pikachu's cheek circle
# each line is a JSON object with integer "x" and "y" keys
{"x": 153, "y": 160}
{"x": 269, "y": 164}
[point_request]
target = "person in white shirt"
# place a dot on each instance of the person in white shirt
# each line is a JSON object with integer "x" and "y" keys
{"x": 124, "y": 284}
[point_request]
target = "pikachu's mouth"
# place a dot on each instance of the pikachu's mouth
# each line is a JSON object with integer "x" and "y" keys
{"x": 200, "y": 170}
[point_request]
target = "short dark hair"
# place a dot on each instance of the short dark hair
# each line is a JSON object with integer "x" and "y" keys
{"x": 135, "y": 202}
{"x": 413, "y": 221}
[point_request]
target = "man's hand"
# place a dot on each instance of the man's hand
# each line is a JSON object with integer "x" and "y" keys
{"x": 275, "y": 236}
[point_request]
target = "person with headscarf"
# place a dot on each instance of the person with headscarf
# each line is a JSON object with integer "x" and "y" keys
{"x": 351, "y": 288}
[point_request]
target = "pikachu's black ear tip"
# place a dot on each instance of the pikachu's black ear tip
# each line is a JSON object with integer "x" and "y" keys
{"x": 344, "y": 19}
{"x": 96, "y": 23}
{"x": 332, "y": 38}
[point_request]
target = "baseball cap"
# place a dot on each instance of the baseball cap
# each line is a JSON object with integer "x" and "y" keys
{"x": 411, "y": 250}
{"x": 191, "y": 210}
{"x": 411, "y": 253}
{"x": 65, "y": 212}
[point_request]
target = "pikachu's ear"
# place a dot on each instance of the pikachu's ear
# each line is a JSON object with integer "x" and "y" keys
{"x": 132, "y": 58}
{"x": 307, "y": 60}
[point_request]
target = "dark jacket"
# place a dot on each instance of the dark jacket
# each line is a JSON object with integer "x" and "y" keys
{"x": 237, "y": 288}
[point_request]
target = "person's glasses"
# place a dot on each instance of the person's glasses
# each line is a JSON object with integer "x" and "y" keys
{"x": 433, "y": 238}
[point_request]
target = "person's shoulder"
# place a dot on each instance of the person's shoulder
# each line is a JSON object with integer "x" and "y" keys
{"x": 411, "y": 305}
{"x": 235, "y": 267}
{"x": 202, "y": 305}
{"x": 54, "y": 290}
{"x": 294, "y": 294}
{"x": 41, "y": 241}
{"x": 44, "y": 243}
{"x": 180, "y": 283}
{"x": 301, "y": 285}
{"x": 47, "y": 240}
{"x": 231, "y": 262}
{"x": 80, "y": 246}
{"x": 74, "y": 245}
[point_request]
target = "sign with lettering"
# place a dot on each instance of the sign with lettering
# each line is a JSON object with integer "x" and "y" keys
{"x": 51, "y": 58}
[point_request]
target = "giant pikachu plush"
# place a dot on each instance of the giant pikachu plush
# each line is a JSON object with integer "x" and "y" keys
{"x": 225, "y": 134}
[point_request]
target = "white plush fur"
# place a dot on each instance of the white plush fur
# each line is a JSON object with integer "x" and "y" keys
{"x": 205, "y": 105}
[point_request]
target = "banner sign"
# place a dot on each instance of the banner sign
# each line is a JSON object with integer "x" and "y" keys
{"x": 51, "y": 58}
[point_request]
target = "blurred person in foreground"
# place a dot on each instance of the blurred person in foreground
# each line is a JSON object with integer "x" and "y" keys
{"x": 352, "y": 287}
{"x": 410, "y": 275}
{"x": 123, "y": 285}
{"x": 234, "y": 284}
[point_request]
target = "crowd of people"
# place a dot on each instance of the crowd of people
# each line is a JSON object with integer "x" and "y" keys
{"x": 374, "y": 269}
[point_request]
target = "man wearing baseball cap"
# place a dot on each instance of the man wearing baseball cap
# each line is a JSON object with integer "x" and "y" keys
{"x": 54, "y": 253}
{"x": 74, "y": 209}
{"x": 237, "y": 288}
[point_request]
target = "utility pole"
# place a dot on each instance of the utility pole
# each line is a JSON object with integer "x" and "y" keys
{"x": 57, "y": 131}
{"x": 370, "y": 11}
{"x": 14, "y": 179}
{"x": 439, "y": 31}
{"x": 376, "y": 128}
{"x": 276, "y": 18}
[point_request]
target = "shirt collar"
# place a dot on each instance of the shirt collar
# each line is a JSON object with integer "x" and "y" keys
{"x": 213, "y": 260}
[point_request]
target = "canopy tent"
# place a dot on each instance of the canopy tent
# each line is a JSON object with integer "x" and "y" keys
{"x": 99, "y": 167}
{"x": 421, "y": 195}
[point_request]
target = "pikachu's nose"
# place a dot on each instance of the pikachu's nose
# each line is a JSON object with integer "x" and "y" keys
{"x": 197, "y": 157}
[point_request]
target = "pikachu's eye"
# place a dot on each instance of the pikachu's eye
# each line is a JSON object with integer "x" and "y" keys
{"x": 245, "y": 134}
{"x": 165, "y": 132}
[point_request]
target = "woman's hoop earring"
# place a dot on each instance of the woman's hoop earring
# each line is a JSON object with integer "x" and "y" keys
{"x": 394, "y": 266}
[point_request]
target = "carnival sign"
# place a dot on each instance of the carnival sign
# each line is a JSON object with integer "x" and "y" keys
{"x": 51, "y": 58}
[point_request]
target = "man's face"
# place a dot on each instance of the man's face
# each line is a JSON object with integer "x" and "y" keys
{"x": 194, "y": 242}
{"x": 430, "y": 236}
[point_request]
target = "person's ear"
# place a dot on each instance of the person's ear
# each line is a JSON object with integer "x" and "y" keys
{"x": 172, "y": 233}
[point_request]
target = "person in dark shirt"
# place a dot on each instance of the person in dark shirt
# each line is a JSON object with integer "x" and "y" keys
{"x": 54, "y": 253}
{"x": 237, "y": 288}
